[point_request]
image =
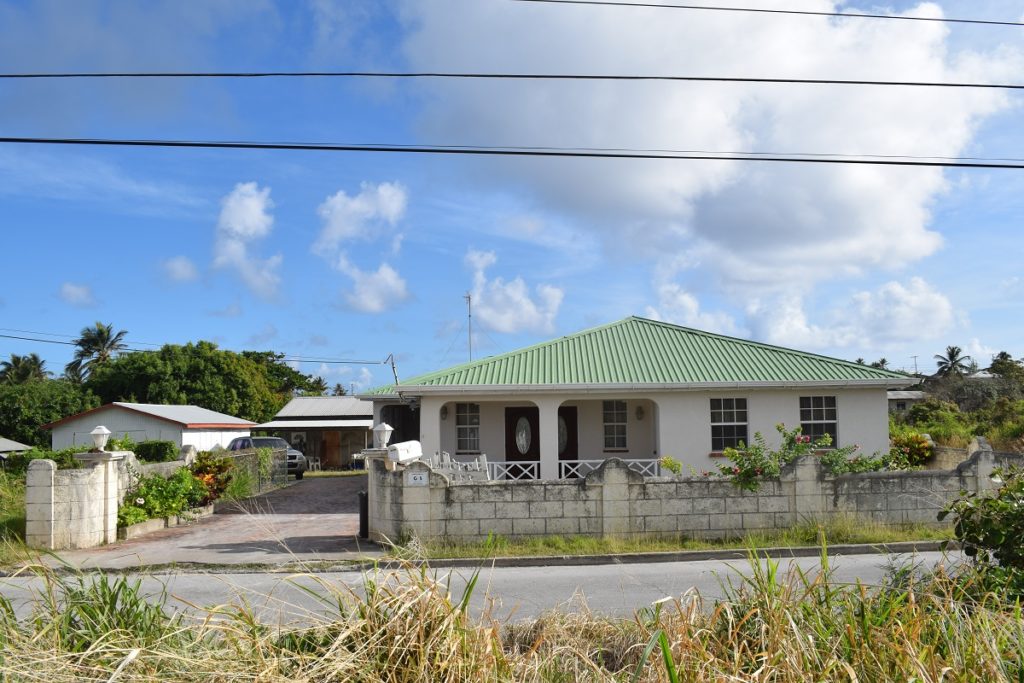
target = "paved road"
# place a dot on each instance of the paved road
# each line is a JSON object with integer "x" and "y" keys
{"x": 518, "y": 593}
{"x": 313, "y": 519}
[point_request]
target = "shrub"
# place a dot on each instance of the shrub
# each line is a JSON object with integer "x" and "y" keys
{"x": 125, "y": 443}
{"x": 157, "y": 451}
{"x": 669, "y": 463}
{"x": 990, "y": 526}
{"x": 911, "y": 446}
{"x": 18, "y": 463}
{"x": 214, "y": 471}
{"x": 752, "y": 463}
{"x": 159, "y": 497}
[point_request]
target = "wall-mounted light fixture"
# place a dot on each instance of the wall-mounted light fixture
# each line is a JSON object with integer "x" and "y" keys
{"x": 444, "y": 412}
{"x": 639, "y": 412}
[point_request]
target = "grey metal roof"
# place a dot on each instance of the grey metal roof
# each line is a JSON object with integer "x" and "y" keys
{"x": 186, "y": 415}
{"x": 364, "y": 423}
{"x": 906, "y": 395}
{"x": 10, "y": 446}
{"x": 326, "y": 406}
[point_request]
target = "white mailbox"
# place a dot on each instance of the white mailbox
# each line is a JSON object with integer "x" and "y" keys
{"x": 405, "y": 452}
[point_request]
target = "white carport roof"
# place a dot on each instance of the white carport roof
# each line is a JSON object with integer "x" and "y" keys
{"x": 324, "y": 424}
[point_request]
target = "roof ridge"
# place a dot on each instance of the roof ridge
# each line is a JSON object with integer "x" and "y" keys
{"x": 516, "y": 352}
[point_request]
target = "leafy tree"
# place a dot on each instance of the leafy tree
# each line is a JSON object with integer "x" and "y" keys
{"x": 25, "y": 407}
{"x": 1007, "y": 368}
{"x": 22, "y": 369}
{"x": 198, "y": 374}
{"x": 338, "y": 390}
{"x": 97, "y": 346}
{"x": 285, "y": 379}
{"x": 954, "y": 362}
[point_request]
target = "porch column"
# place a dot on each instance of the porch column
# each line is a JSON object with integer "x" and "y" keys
{"x": 430, "y": 424}
{"x": 548, "y": 409}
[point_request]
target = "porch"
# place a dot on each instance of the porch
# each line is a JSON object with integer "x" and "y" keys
{"x": 542, "y": 437}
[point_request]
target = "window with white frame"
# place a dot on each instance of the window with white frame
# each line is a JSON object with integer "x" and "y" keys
{"x": 819, "y": 416}
{"x": 467, "y": 427}
{"x": 614, "y": 425}
{"x": 728, "y": 423}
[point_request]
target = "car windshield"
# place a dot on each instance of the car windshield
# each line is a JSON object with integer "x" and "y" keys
{"x": 269, "y": 442}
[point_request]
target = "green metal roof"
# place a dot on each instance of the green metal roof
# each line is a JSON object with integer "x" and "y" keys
{"x": 636, "y": 351}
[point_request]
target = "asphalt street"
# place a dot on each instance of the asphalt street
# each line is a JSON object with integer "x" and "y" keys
{"x": 506, "y": 593}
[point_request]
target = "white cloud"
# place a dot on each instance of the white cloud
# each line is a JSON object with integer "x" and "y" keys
{"x": 363, "y": 216}
{"x": 373, "y": 291}
{"x": 761, "y": 227}
{"x": 180, "y": 269}
{"x": 245, "y": 217}
{"x": 366, "y": 216}
{"x": 676, "y": 305}
{"x": 507, "y": 306}
{"x": 77, "y": 295}
{"x": 893, "y": 314}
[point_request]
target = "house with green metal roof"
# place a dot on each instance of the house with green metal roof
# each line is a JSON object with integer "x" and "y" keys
{"x": 635, "y": 389}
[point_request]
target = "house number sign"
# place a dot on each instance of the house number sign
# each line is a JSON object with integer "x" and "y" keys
{"x": 416, "y": 478}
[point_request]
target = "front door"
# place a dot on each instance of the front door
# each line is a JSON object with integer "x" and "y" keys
{"x": 568, "y": 434}
{"x": 522, "y": 434}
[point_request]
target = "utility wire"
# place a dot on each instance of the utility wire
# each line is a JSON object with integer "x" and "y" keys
{"x": 759, "y": 10}
{"x": 927, "y": 162}
{"x": 506, "y": 76}
{"x": 133, "y": 350}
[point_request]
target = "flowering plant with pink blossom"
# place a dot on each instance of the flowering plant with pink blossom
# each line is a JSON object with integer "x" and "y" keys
{"x": 749, "y": 464}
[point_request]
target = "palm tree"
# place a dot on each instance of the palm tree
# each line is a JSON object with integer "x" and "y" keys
{"x": 96, "y": 346}
{"x": 316, "y": 387}
{"x": 22, "y": 369}
{"x": 339, "y": 390}
{"x": 954, "y": 362}
{"x": 881, "y": 364}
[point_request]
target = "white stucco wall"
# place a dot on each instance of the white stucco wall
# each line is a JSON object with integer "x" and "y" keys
{"x": 141, "y": 428}
{"x": 674, "y": 423}
{"x": 209, "y": 439}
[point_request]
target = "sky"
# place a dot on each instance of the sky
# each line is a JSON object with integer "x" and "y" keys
{"x": 358, "y": 256}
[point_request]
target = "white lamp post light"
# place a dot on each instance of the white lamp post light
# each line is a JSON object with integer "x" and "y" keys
{"x": 382, "y": 434}
{"x": 99, "y": 437}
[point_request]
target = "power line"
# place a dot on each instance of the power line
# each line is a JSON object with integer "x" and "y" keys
{"x": 506, "y": 76}
{"x": 926, "y": 162}
{"x": 759, "y": 10}
{"x": 129, "y": 349}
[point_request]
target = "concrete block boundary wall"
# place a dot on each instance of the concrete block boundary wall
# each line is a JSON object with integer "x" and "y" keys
{"x": 414, "y": 501}
{"x": 75, "y": 509}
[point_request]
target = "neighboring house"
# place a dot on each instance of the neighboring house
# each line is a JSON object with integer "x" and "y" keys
{"x": 636, "y": 389}
{"x": 902, "y": 401}
{"x": 328, "y": 428}
{"x": 184, "y": 425}
{"x": 8, "y": 446}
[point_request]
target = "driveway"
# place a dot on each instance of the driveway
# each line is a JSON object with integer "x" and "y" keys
{"x": 313, "y": 519}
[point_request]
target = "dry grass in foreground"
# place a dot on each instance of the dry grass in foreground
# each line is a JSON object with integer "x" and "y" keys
{"x": 404, "y": 626}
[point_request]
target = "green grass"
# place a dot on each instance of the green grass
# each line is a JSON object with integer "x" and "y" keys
{"x": 12, "y": 518}
{"x": 839, "y": 531}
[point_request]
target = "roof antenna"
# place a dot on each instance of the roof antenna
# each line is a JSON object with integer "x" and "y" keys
{"x": 469, "y": 312}
{"x": 391, "y": 359}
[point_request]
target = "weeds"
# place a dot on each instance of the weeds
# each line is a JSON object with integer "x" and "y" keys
{"x": 406, "y": 625}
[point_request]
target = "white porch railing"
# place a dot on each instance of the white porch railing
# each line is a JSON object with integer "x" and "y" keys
{"x": 571, "y": 469}
{"x": 514, "y": 470}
